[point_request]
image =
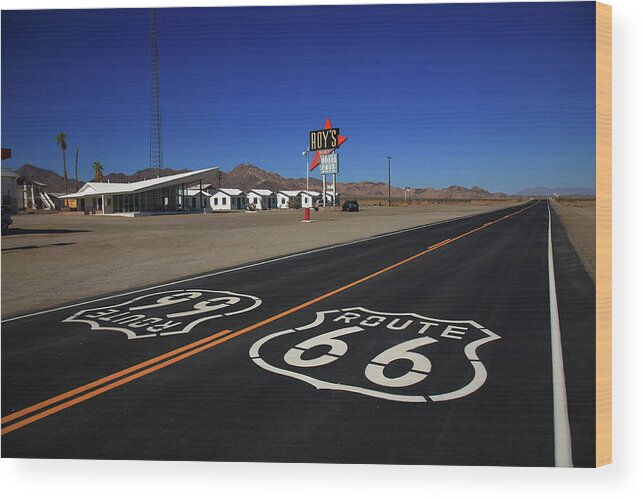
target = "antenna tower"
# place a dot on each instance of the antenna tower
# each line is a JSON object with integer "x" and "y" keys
{"x": 156, "y": 135}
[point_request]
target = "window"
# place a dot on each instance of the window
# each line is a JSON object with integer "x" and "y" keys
{"x": 224, "y": 201}
{"x": 216, "y": 201}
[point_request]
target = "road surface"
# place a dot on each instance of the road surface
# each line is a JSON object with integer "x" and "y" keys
{"x": 466, "y": 342}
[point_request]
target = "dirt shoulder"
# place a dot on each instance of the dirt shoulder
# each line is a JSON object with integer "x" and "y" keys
{"x": 48, "y": 260}
{"x": 579, "y": 219}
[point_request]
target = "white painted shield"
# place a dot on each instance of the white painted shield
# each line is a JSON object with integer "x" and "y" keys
{"x": 402, "y": 357}
{"x": 165, "y": 313}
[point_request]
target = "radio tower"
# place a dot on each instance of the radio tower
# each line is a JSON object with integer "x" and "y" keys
{"x": 156, "y": 135}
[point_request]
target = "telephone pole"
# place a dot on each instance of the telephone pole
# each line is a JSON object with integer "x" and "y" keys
{"x": 389, "y": 180}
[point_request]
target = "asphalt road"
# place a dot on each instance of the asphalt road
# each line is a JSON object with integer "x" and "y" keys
{"x": 436, "y": 345}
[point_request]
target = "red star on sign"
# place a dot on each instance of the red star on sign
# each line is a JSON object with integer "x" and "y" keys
{"x": 340, "y": 140}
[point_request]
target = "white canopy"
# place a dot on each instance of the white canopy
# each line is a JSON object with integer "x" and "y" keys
{"x": 93, "y": 189}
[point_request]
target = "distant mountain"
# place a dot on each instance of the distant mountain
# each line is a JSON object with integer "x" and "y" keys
{"x": 56, "y": 183}
{"x": 53, "y": 182}
{"x": 145, "y": 174}
{"x": 561, "y": 191}
{"x": 456, "y": 192}
{"x": 246, "y": 176}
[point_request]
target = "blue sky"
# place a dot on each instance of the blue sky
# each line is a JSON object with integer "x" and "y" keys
{"x": 495, "y": 95}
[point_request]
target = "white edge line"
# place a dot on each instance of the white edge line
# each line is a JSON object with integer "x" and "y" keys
{"x": 243, "y": 267}
{"x": 562, "y": 432}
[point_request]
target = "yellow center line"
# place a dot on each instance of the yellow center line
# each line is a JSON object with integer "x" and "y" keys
{"x": 194, "y": 348}
{"x": 110, "y": 386}
{"x": 28, "y": 410}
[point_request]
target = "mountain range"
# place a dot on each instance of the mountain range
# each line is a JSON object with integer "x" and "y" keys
{"x": 560, "y": 191}
{"x": 246, "y": 176}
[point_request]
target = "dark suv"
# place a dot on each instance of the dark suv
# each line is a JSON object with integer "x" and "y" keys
{"x": 6, "y": 217}
{"x": 350, "y": 205}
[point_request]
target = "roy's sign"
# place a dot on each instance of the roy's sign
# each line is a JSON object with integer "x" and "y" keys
{"x": 321, "y": 140}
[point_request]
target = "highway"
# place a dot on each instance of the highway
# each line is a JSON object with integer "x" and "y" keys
{"x": 466, "y": 342}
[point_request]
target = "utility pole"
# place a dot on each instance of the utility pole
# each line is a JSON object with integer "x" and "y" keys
{"x": 76, "y": 168}
{"x": 389, "y": 180}
{"x": 156, "y": 136}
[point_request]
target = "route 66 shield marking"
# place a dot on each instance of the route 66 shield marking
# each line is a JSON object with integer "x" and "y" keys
{"x": 165, "y": 313}
{"x": 403, "y": 357}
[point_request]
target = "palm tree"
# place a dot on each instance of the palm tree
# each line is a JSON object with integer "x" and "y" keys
{"x": 61, "y": 140}
{"x": 98, "y": 171}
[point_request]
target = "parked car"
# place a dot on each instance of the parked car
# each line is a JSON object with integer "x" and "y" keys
{"x": 6, "y": 217}
{"x": 350, "y": 205}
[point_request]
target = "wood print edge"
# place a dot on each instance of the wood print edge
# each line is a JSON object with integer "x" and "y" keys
{"x": 603, "y": 234}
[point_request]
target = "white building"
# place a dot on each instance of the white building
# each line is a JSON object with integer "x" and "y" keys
{"x": 284, "y": 197}
{"x": 228, "y": 199}
{"x": 162, "y": 195}
{"x": 262, "y": 199}
{"x": 10, "y": 189}
{"x": 199, "y": 199}
{"x": 209, "y": 188}
{"x": 308, "y": 199}
{"x": 22, "y": 193}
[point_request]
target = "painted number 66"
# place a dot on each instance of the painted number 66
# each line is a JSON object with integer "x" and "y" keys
{"x": 420, "y": 369}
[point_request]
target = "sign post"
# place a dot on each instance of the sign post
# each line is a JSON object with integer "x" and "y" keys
{"x": 329, "y": 164}
{"x": 324, "y": 190}
{"x": 325, "y": 144}
{"x": 306, "y": 209}
{"x": 334, "y": 189}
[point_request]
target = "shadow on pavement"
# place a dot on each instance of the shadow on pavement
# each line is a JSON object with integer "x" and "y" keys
{"x": 18, "y": 248}
{"x": 16, "y": 232}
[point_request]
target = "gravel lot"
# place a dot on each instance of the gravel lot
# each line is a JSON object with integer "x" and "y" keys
{"x": 579, "y": 219}
{"x": 48, "y": 260}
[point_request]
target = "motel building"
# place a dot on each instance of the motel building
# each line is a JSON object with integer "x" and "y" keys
{"x": 309, "y": 198}
{"x": 23, "y": 194}
{"x": 263, "y": 199}
{"x": 199, "y": 197}
{"x": 162, "y": 195}
{"x": 228, "y": 199}
{"x": 283, "y": 197}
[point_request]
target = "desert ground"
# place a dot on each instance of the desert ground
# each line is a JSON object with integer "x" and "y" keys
{"x": 579, "y": 219}
{"x": 49, "y": 260}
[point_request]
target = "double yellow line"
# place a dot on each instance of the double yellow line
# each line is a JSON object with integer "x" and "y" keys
{"x": 73, "y": 397}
